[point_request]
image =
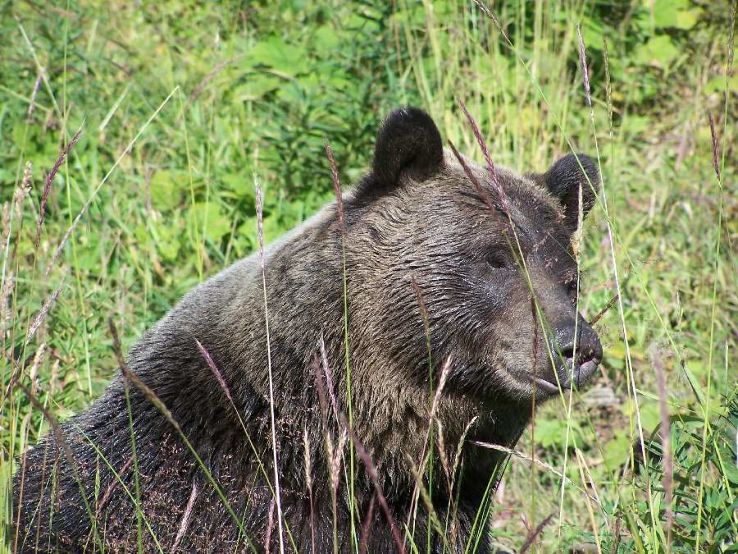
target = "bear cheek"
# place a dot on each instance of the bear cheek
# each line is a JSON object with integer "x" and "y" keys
{"x": 501, "y": 323}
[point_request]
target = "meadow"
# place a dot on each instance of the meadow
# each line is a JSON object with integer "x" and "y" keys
{"x": 132, "y": 136}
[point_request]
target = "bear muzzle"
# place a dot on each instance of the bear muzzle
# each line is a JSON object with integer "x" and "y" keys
{"x": 576, "y": 353}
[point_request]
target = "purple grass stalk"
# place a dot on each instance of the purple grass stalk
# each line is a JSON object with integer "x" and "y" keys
{"x": 336, "y": 184}
{"x": 334, "y": 454}
{"x": 583, "y": 67}
{"x": 211, "y": 364}
{"x": 5, "y": 294}
{"x": 44, "y": 311}
{"x": 460, "y": 445}
{"x": 347, "y": 360}
{"x": 328, "y": 378}
{"x": 6, "y": 226}
{"x": 434, "y": 405}
{"x": 336, "y": 457}
{"x": 441, "y": 384}
{"x": 38, "y": 358}
{"x": 221, "y": 381}
{"x": 185, "y": 523}
{"x": 366, "y": 527}
{"x": 491, "y": 169}
{"x": 425, "y": 453}
{"x": 372, "y": 471}
{"x": 480, "y": 189}
{"x": 21, "y": 192}
{"x": 457, "y": 462}
{"x": 665, "y": 431}
{"x": 715, "y": 147}
{"x": 320, "y": 387}
{"x": 270, "y": 528}
{"x": 533, "y": 535}
{"x": 423, "y": 311}
{"x": 63, "y": 153}
{"x": 262, "y": 260}
{"x": 473, "y": 178}
{"x": 442, "y": 454}
{"x": 114, "y": 483}
{"x": 309, "y": 481}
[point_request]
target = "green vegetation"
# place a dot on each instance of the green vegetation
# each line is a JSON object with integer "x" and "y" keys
{"x": 181, "y": 106}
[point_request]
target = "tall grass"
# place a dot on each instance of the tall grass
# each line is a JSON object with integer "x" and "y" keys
{"x": 116, "y": 201}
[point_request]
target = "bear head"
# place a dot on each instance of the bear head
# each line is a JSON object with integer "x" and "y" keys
{"x": 486, "y": 259}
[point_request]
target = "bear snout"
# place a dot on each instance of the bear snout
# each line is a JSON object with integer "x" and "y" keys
{"x": 577, "y": 353}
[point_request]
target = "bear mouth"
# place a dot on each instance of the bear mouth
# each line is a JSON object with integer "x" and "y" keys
{"x": 570, "y": 376}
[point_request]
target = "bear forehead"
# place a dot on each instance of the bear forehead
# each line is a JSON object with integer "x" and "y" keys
{"x": 522, "y": 191}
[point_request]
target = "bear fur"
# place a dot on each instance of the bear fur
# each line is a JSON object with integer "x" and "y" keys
{"x": 452, "y": 275}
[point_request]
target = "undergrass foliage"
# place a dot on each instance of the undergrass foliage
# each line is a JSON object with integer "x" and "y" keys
{"x": 131, "y": 136}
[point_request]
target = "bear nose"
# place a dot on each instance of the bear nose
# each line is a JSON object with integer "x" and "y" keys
{"x": 579, "y": 339}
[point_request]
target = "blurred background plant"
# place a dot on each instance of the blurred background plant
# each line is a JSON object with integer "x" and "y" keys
{"x": 183, "y": 104}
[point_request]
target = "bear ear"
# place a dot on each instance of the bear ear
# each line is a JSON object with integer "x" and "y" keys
{"x": 408, "y": 143}
{"x": 564, "y": 179}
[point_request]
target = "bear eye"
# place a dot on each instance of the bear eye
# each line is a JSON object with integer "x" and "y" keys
{"x": 496, "y": 260}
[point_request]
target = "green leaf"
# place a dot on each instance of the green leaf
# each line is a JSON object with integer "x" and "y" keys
{"x": 207, "y": 219}
{"x": 550, "y": 433}
{"x": 659, "y": 51}
{"x": 280, "y": 56}
{"x": 650, "y": 416}
{"x": 256, "y": 86}
{"x": 687, "y": 19}
{"x": 326, "y": 39}
{"x": 616, "y": 451}
{"x": 167, "y": 239}
{"x": 674, "y": 14}
{"x": 164, "y": 193}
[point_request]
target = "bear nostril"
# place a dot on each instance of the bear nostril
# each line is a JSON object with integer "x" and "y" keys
{"x": 588, "y": 349}
{"x": 567, "y": 352}
{"x": 585, "y": 355}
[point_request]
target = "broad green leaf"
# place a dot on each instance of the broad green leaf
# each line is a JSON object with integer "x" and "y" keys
{"x": 164, "y": 190}
{"x": 275, "y": 53}
{"x": 659, "y": 51}
{"x": 207, "y": 219}
{"x": 550, "y": 433}
{"x": 616, "y": 450}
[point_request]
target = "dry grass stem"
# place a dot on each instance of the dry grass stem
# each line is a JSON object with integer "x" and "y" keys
{"x": 63, "y": 154}
{"x": 665, "y": 432}
{"x": 603, "y": 311}
{"x": 112, "y": 486}
{"x": 372, "y": 471}
{"x": 262, "y": 261}
{"x": 40, "y": 317}
{"x": 533, "y": 535}
{"x": 185, "y": 523}
{"x": 715, "y": 147}
{"x": 336, "y": 184}
{"x": 216, "y": 372}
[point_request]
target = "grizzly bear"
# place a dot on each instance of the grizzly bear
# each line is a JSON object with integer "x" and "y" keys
{"x": 424, "y": 312}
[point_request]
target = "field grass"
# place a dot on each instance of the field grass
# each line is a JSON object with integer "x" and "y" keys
{"x": 162, "y": 116}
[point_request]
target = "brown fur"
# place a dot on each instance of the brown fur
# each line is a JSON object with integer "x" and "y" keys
{"x": 415, "y": 216}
